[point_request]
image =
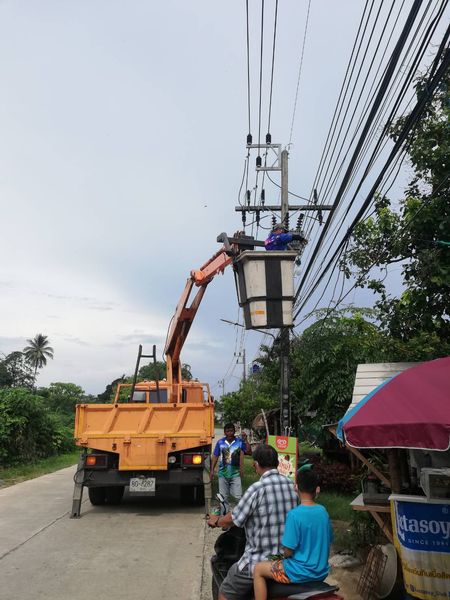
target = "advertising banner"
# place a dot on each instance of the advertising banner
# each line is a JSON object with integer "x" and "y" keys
{"x": 422, "y": 539}
{"x": 287, "y": 454}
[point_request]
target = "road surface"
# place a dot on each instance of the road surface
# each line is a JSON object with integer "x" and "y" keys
{"x": 149, "y": 548}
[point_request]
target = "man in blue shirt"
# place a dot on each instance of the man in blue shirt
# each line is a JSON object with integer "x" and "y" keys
{"x": 306, "y": 542}
{"x": 230, "y": 449}
{"x": 278, "y": 240}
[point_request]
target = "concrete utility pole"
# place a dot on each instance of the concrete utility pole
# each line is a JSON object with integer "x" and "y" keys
{"x": 244, "y": 364}
{"x": 285, "y": 342}
{"x": 276, "y": 159}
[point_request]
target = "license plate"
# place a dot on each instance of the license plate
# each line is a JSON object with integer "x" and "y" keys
{"x": 138, "y": 484}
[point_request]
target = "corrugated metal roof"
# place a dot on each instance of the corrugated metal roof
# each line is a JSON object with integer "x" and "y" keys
{"x": 371, "y": 375}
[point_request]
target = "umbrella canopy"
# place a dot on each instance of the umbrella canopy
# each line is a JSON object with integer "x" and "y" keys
{"x": 411, "y": 410}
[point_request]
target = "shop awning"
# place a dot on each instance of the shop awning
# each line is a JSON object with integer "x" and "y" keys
{"x": 411, "y": 410}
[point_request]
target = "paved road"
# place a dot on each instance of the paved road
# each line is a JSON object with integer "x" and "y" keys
{"x": 149, "y": 548}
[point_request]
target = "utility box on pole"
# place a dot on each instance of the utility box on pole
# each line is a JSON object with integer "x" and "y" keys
{"x": 265, "y": 286}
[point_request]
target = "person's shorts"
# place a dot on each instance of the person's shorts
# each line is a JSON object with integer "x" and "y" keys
{"x": 278, "y": 573}
{"x": 237, "y": 584}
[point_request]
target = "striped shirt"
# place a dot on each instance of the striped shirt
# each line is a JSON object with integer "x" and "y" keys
{"x": 262, "y": 512}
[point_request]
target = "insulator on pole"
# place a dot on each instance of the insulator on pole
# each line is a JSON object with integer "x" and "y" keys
{"x": 248, "y": 196}
{"x": 258, "y": 161}
{"x": 300, "y": 221}
{"x": 268, "y": 138}
{"x": 274, "y": 221}
{"x": 249, "y": 139}
{"x": 315, "y": 196}
{"x": 244, "y": 218}
{"x": 286, "y": 221}
{"x": 263, "y": 196}
{"x": 257, "y": 217}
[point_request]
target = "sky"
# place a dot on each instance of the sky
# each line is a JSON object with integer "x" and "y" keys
{"x": 123, "y": 128}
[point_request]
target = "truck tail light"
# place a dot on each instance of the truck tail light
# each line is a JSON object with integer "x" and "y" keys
{"x": 192, "y": 459}
{"x": 96, "y": 460}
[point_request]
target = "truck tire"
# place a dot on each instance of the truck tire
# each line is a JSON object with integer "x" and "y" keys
{"x": 97, "y": 495}
{"x": 193, "y": 495}
{"x": 114, "y": 494}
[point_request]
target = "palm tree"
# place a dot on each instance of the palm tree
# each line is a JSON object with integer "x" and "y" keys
{"x": 37, "y": 352}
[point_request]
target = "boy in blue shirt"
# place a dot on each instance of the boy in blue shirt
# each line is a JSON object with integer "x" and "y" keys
{"x": 306, "y": 542}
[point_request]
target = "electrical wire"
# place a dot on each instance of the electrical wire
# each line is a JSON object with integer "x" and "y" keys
{"x": 371, "y": 116}
{"x": 299, "y": 72}
{"x": 273, "y": 65}
{"x": 380, "y": 256}
{"x": 261, "y": 73}
{"x": 248, "y": 70}
{"x": 443, "y": 59}
{"x": 379, "y": 147}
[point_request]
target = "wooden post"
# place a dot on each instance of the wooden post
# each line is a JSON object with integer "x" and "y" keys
{"x": 394, "y": 470}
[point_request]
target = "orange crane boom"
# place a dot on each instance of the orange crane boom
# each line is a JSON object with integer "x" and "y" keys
{"x": 185, "y": 315}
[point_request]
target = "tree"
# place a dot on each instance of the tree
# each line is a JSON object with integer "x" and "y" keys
{"x": 324, "y": 361}
{"x": 323, "y": 365}
{"x": 157, "y": 371}
{"x": 15, "y": 371}
{"x": 37, "y": 352}
{"x": 417, "y": 235}
{"x": 61, "y": 399}
{"x": 246, "y": 403}
{"x": 28, "y": 430}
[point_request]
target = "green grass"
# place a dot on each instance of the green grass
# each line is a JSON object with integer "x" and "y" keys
{"x": 337, "y": 505}
{"x": 12, "y": 475}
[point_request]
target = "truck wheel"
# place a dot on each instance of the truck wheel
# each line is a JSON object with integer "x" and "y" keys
{"x": 97, "y": 495}
{"x": 114, "y": 494}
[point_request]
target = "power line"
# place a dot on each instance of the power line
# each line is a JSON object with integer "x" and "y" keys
{"x": 381, "y": 92}
{"x": 300, "y": 71}
{"x": 379, "y": 146}
{"x": 380, "y": 256}
{"x": 408, "y": 126}
{"x": 248, "y": 70}
{"x": 273, "y": 64}
{"x": 261, "y": 71}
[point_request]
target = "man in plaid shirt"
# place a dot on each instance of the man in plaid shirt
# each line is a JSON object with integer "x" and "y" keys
{"x": 262, "y": 512}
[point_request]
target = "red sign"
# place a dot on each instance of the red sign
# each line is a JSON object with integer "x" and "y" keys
{"x": 281, "y": 442}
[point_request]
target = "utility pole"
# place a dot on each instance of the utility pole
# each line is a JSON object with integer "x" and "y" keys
{"x": 244, "y": 364}
{"x": 285, "y": 342}
{"x": 276, "y": 159}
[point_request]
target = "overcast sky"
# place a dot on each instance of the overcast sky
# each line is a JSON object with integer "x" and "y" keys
{"x": 123, "y": 130}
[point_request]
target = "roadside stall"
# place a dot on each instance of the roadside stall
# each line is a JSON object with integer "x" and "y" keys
{"x": 408, "y": 416}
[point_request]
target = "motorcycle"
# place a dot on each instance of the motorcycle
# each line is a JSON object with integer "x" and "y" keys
{"x": 228, "y": 549}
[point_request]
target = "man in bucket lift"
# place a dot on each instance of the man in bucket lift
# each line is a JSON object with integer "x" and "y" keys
{"x": 279, "y": 238}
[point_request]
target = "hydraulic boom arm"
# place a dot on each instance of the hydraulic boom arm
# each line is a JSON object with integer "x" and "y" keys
{"x": 184, "y": 315}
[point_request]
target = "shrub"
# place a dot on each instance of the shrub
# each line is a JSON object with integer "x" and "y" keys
{"x": 335, "y": 476}
{"x": 28, "y": 430}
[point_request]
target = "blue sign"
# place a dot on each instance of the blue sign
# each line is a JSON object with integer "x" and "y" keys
{"x": 422, "y": 526}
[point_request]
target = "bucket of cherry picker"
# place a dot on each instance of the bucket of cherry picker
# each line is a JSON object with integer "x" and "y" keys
{"x": 265, "y": 288}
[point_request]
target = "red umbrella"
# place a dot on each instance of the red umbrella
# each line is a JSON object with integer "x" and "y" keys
{"x": 412, "y": 410}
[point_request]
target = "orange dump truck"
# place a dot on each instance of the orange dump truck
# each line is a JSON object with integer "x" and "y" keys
{"x": 154, "y": 433}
